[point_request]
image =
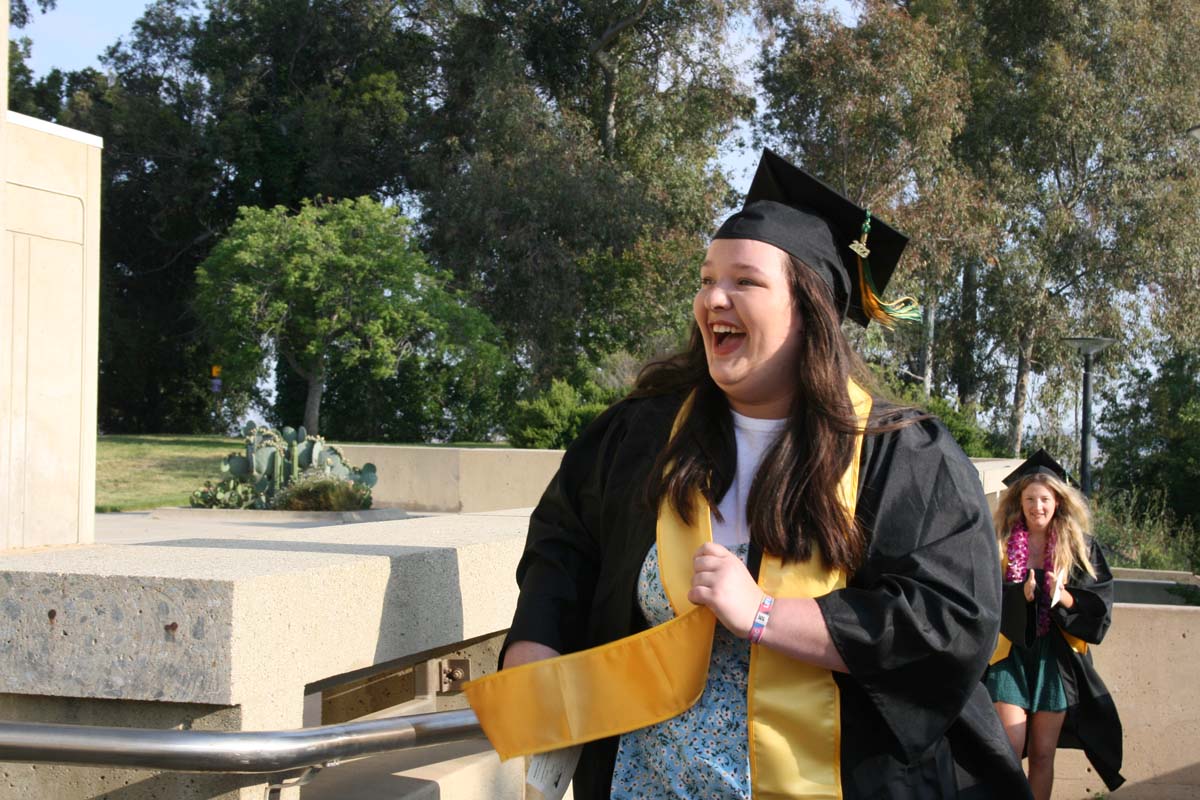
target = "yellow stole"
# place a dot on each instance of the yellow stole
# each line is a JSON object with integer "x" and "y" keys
{"x": 651, "y": 676}
{"x": 1004, "y": 644}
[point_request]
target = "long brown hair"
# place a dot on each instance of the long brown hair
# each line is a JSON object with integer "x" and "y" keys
{"x": 793, "y": 502}
{"x": 1070, "y": 523}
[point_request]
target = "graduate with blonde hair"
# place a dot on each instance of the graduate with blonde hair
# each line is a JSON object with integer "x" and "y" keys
{"x": 1057, "y": 601}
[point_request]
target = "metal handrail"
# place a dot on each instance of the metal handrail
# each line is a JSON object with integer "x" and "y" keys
{"x": 240, "y": 752}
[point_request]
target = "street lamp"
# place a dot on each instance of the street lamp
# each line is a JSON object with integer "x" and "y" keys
{"x": 1088, "y": 346}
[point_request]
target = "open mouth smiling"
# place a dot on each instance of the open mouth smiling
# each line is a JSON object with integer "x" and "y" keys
{"x": 726, "y": 337}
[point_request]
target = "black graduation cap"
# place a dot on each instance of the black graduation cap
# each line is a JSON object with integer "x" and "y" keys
{"x": 853, "y": 252}
{"x": 1039, "y": 462}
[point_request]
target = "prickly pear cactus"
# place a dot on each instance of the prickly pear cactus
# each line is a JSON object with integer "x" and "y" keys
{"x": 272, "y": 461}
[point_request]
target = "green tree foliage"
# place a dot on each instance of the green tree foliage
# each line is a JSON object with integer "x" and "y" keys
{"x": 1076, "y": 126}
{"x": 206, "y": 108}
{"x": 874, "y": 109}
{"x": 556, "y": 417}
{"x": 19, "y": 12}
{"x": 565, "y": 138}
{"x": 342, "y": 286}
{"x": 1150, "y": 434}
{"x": 1035, "y": 153}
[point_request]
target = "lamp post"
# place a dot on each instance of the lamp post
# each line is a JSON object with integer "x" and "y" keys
{"x": 1088, "y": 346}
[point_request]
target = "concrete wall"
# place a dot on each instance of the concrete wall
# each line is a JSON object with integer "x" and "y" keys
{"x": 1149, "y": 662}
{"x": 456, "y": 479}
{"x": 49, "y": 311}
{"x": 460, "y": 479}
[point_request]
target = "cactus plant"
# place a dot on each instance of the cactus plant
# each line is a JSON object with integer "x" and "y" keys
{"x": 272, "y": 461}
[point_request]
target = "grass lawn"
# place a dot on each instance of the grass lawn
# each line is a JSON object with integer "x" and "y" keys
{"x": 139, "y": 472}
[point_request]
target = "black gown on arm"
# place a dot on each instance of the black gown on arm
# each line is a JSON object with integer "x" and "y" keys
{"x": 915, "y": 624}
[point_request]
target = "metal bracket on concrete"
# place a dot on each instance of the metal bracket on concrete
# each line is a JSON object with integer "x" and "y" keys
{"x": 275, "y": 789}
{"x": 455, "y": 672}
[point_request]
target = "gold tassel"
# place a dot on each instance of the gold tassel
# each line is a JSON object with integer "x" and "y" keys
{"x": 903, "y": 309}
{"x": 886, "y": 314}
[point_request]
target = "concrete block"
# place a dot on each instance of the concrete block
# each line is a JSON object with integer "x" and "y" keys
{"x": 992, "y": 472}
{"x": 116, "y": 636}
{"x": 245, "y": 620}
{"x": 462, "y": 771}
{"x": 252, "y": 621}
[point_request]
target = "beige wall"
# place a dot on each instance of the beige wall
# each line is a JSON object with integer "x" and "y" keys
{"x": 466, "y": 479}
{"x": 1148, "y": 661}
{"x": 456, "y": 479}
{"x": 49, "y": 308}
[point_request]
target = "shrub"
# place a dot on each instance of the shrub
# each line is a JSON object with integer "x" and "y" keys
{"x": 1138, "y": 529}
{"x": 554, "y": 419}
{"x": 975, "y": 440}
{"x": 317, "y": 491}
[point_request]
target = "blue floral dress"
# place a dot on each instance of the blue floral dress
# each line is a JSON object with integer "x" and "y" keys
{"x": 703, "y": 752}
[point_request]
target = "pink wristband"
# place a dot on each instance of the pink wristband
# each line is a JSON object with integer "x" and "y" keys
{"x": 760, "y": 619}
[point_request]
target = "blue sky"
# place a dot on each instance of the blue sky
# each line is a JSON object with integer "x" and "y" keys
{"x": 73, "y": 35}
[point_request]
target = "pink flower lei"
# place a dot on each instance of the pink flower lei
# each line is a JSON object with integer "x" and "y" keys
{"x": 1018, "y": 563}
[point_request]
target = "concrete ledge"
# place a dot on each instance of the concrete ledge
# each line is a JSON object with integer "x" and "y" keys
{"x": 199, "y": 515}
{"x": 1172, "y": 576}
{"x": 251, "y": 621}
{"x": 456, "y": 479}
{"x": 464, "y": 479}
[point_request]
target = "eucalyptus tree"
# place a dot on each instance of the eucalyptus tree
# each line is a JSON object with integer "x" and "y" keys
{"x": 20, "y": 13}
{"x": 560, "y": 139}
{"x": 873, "y": 109}
{"x": 1076, "y": 123}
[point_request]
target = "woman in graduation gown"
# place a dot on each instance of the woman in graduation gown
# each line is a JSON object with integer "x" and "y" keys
{"x": 1057, "y": 602}
{"x": 767, "y": 583}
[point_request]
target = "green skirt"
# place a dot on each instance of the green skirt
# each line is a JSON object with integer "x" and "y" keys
{"x": 1028, "y": 678}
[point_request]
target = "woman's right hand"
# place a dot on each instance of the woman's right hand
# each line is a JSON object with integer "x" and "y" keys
{"x": 1030, "y": 587}
{"x": 526, "y": 652}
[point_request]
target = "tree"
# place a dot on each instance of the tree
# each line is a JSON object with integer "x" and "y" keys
{"x": 1150, "y": 432}
{"x": 1076, "y": 126}
{"x": 19, "y": 13}
{"x": 205, "y": 109}
{"x": 337, "y": 286}
{"x": 559, "y": 139}
{"x": 873, "y": 109}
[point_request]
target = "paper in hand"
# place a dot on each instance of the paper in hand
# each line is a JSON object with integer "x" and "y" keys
{"x": 549, "y": 774}
{"x": 1060, "y": 578}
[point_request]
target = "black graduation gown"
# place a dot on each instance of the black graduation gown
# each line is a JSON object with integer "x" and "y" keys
{"x": 1092, "y": 723}
{"x": 915, "y": 625}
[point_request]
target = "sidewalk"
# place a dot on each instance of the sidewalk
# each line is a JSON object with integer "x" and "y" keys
{"x": 165, "y": 524}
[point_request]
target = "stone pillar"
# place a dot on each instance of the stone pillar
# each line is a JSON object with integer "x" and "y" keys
{"x": 49, "y": 323}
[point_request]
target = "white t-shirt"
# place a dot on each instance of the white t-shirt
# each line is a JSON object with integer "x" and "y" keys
{"x": 753, "y": 437}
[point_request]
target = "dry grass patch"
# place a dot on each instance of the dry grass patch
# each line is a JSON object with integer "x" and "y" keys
{"x": 139, "y": 472}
